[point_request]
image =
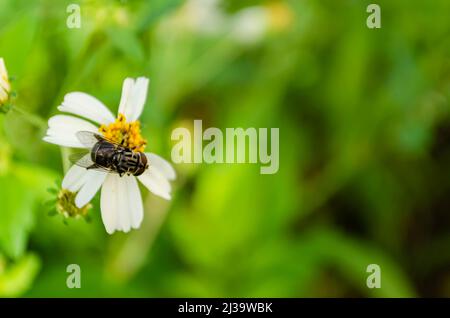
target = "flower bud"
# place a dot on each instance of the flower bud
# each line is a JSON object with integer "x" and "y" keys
{"x": 5, "y": 87}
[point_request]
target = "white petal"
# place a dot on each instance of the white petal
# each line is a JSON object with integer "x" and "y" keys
{"x": 4, "y": 79}
{"x": 139, "y": 96}
{"x": 3, "y": 72}
{"x": 74, "y": 178}
{"x": 134, "y": 95}
{"x": 161, "y": 164}
{"x": 108, "y": 203}
{"x": 87, "y": 106}
{"x": 70, "y": 123}
{"x": 63, "y": 141}
{"x": 127, "y": 88}
{"x": 124, "y": 209}
{"x": 4, "y": 84}
{"x": 94, "y": 181}
{"x": 156, "y": 183}
{"x": 136, "y": 211}
{"x": 3, "y": 95}
{"x": 121, "y": 203}
{"x": 65, "y": 127}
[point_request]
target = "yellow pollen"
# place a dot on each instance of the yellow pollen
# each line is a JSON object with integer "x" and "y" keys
{"x": 128, "y": 134}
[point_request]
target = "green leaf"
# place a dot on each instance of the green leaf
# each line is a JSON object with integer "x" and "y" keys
{"x": 52, "y": 213}
{"x": 127, "y": 42}
{"x": 16, "y": 216}
{"x": 36, "y": 178}
{"x": 350, "y": 257}
{"x": 18, "y": 277}
{"x": 155, "y": 10}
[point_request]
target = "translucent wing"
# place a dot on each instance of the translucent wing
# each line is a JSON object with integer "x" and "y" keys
{"x": 88, "y": 138}
{"x": 84, "y": 160}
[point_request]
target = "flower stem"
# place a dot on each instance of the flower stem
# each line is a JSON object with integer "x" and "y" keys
{"x": 65, "y": 158}
{"x": 31, "y": 118}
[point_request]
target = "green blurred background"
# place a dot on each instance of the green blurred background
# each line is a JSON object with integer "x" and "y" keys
{"x": 364, "y": 147}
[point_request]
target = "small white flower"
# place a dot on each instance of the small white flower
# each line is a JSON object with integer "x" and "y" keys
{"x": 250, "y": 25}
{"x": 5, "y": 87}
{"x": 203, "y": 17}
{"x": 121, "y": 203}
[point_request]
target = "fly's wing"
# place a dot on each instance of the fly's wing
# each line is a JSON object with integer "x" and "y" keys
{"x": 88, "y": 138}
{"x": 84, "y": 160}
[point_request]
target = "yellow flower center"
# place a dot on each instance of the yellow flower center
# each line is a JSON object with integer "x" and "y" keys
{"x": 280, "y": 15}
{"x": 128, "y": 134}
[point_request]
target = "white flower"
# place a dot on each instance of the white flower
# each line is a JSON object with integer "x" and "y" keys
{"x": 250, "y": 25}
{"x": 5, "y": 87}
{"x": 203, "y": 17}
{"x": 121, "y": 202}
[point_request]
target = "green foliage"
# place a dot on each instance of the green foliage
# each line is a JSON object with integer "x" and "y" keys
{"x": 17, "y": 217}
{"x": 17, "y": 278}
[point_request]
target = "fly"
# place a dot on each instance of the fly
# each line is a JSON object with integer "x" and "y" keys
{"x": 106, "y": 155}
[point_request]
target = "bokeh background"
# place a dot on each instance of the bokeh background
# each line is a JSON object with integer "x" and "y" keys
{"x": 364, "y": 124}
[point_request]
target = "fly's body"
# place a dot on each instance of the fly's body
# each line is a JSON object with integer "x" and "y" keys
{"x": 108, "y": 156}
